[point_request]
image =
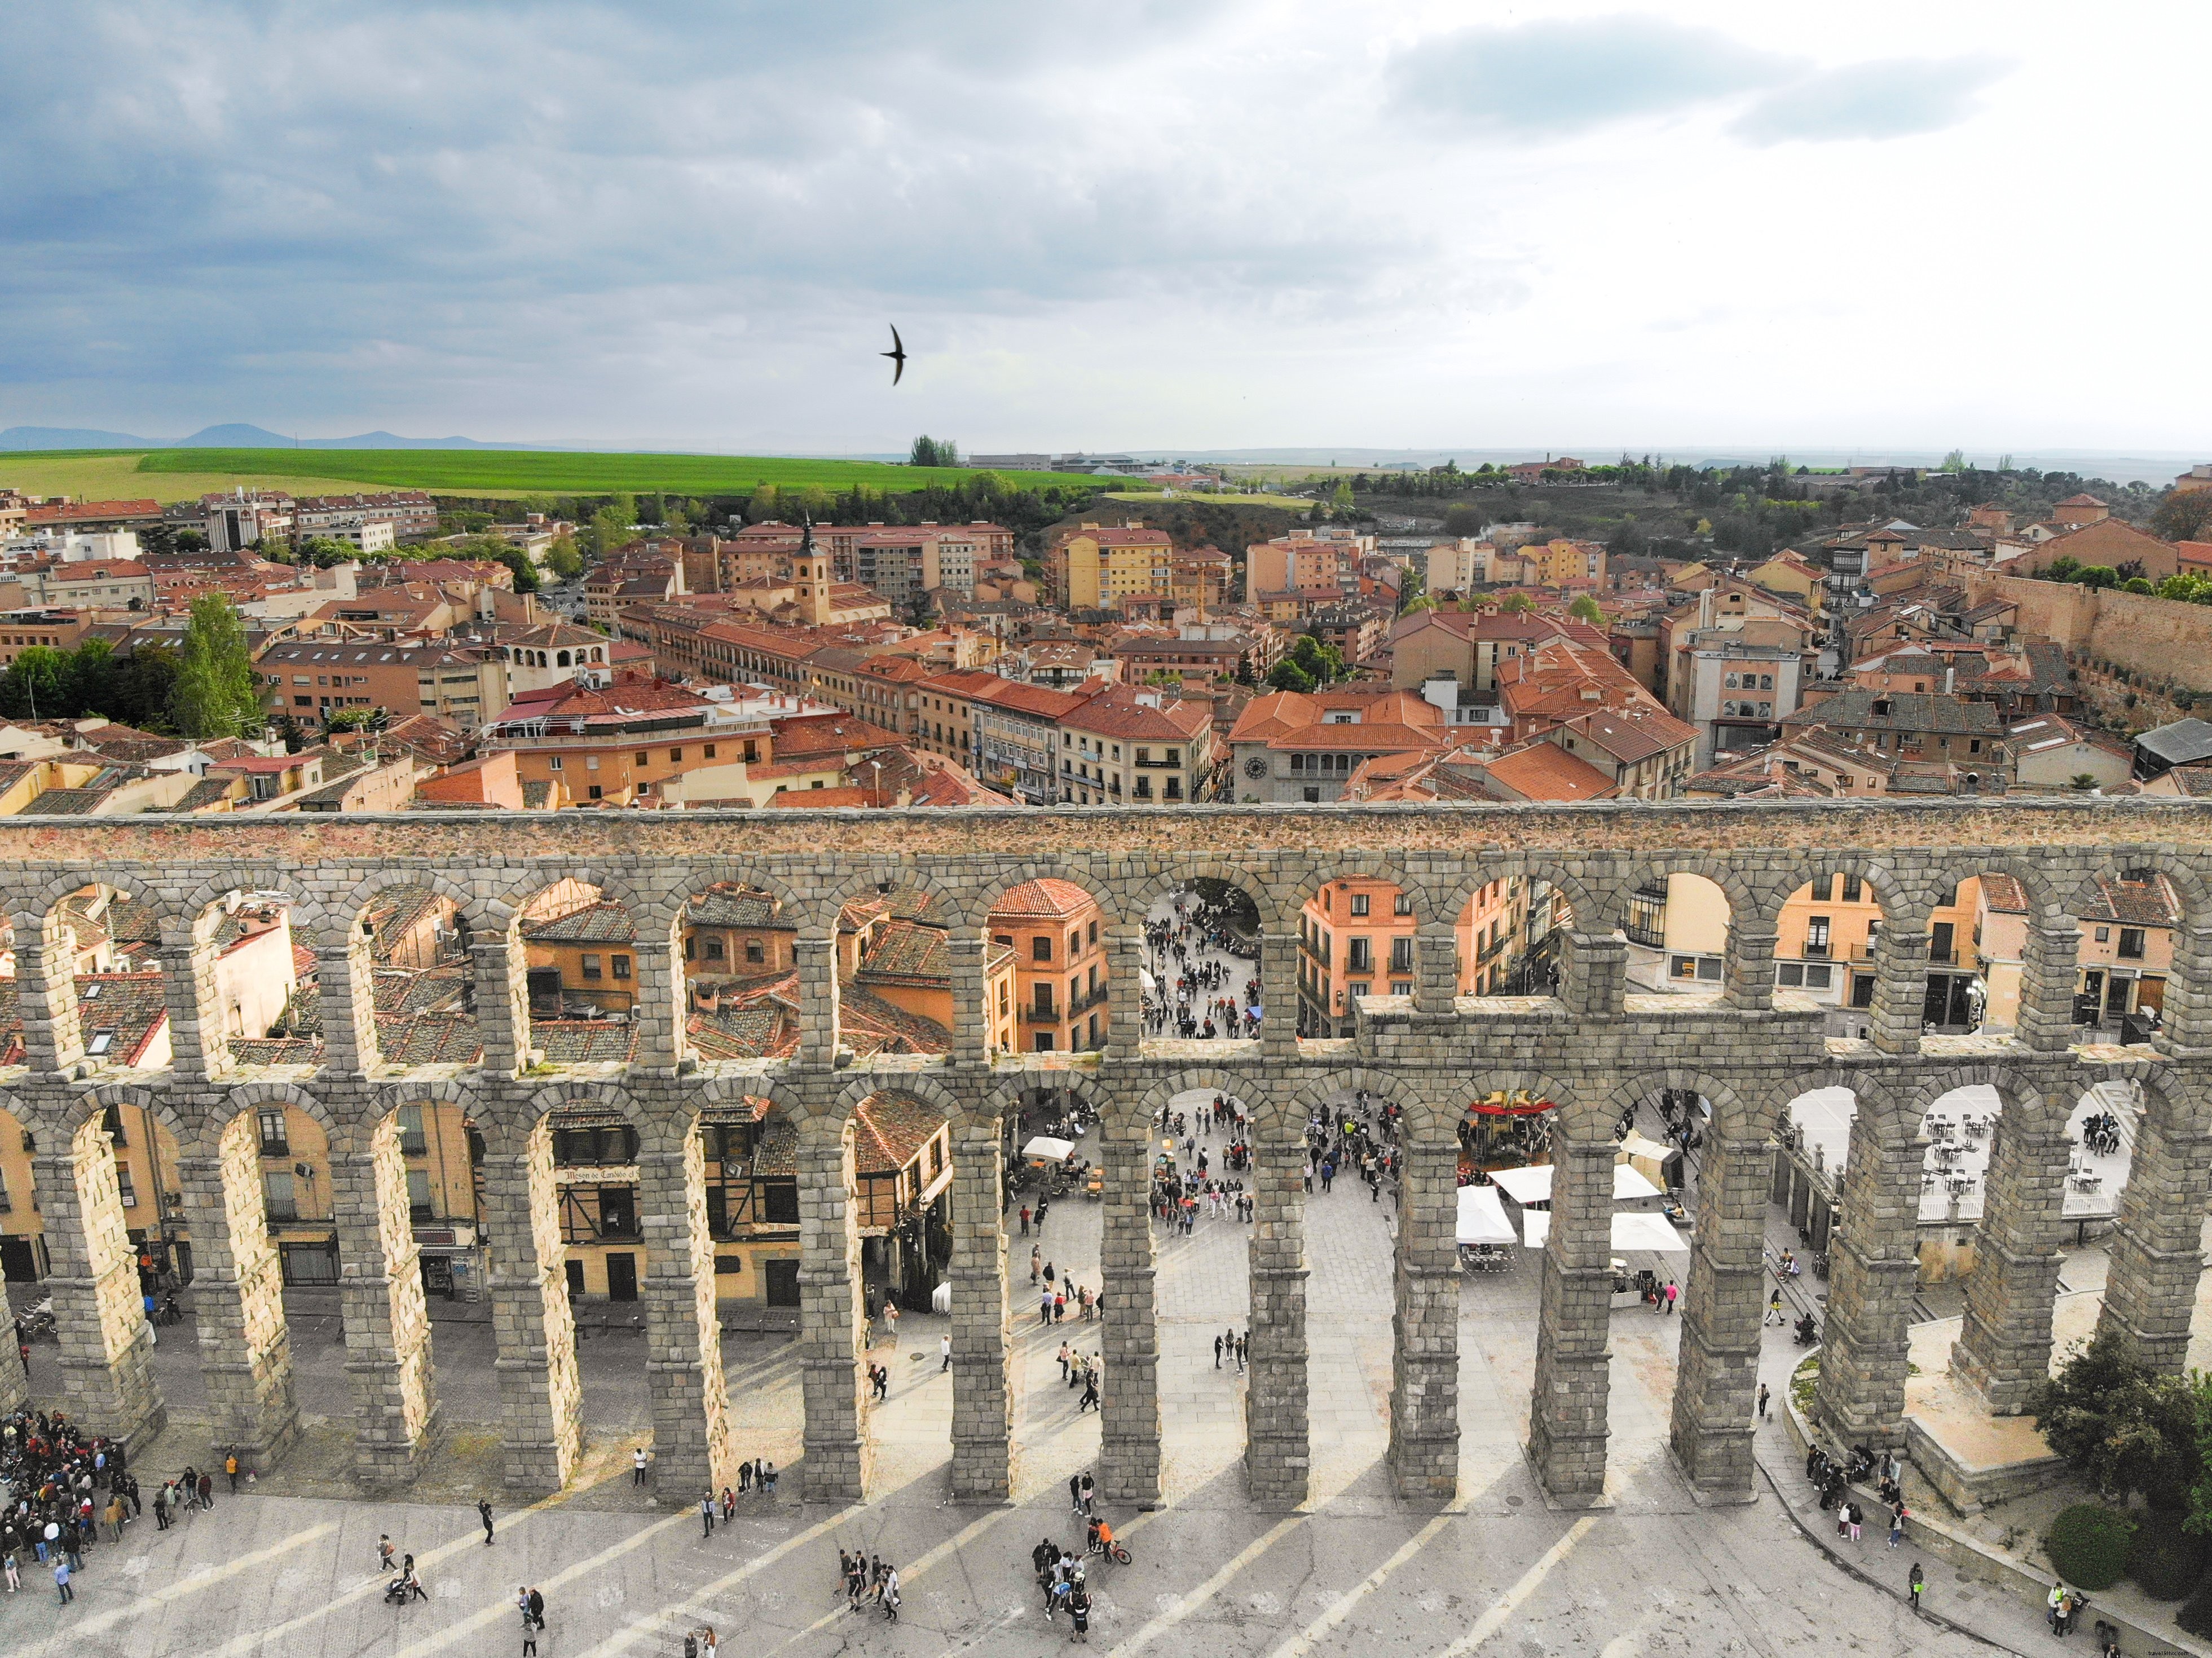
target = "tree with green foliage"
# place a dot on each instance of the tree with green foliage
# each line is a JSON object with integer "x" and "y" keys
{"x": 1463, "y": 518}
{"x": 1585, "y": 609}
{"x": 2136, "y": 584}
{"x": 2129, "y": 1429}
{"x": 607, "y": 531}
{"x": 213, "y": 692}
{"x": 2097, "y": 575}
{"x": 1288, "y": 675}
{"x": 933, "y": 451}
{"x": 1516, "y": 605}
{"x": 1322, "y": 663}
{"x": 2184, "y": 515}
{"x": 34, "y": 686}
{"x": 562, "y": 559}
{"x": 1413, "y": 587}
{"x": 1340, "y": 499}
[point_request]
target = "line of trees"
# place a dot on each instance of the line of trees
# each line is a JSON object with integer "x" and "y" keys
{"x": 933, "y": 451}
{"x": 201, "y": 688}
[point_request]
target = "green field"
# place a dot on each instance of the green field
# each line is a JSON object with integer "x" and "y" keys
{"x": 532, "y": 471}
{"x": 1215, "y": 498}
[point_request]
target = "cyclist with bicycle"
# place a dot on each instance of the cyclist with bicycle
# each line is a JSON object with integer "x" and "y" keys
{"x": 1102, "y": 1541}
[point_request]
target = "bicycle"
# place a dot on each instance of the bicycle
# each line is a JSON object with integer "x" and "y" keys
{"x": 1114, "y": 1551}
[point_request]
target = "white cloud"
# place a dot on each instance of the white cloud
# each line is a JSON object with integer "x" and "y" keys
{"x": 1236, "y": 222}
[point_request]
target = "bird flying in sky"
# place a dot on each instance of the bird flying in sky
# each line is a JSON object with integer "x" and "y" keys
{"x": 896, "y": 353}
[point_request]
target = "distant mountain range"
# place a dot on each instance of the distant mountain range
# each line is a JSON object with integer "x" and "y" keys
{"x": 235, "y": 435}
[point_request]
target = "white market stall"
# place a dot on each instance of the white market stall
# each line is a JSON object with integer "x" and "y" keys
{"x": 1648, "y": 1157}
{"x": 1533, "y": 1184}
{"x": 1653, "y": 1234}
{"x": 1482, "y": 1218}
{"x": 1044, "y": 1148}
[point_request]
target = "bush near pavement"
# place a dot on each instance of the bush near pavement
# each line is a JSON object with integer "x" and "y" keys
{"x": 2087, "y": 1545}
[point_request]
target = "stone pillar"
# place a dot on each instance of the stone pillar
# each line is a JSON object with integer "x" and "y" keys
{"x": 2004, "y": 1343}
{"x": 1277, "y": 1455}
{"x": 388, "y": 1322}
{"x": 2156, "y": 1249}
{"x": 816, "y": 955}
{"x": 1129, "y": 1396}
{"x": 692, "y": 1452}
{"x": 832, "y": 1321}
{"x": 1567, "y": 1416}
{"x": 1278, "y": 995}
{"x": 2050, "y": 968}
{"x": 15, "y": 1380}
{"x": 1124, "y": 991}
{"x": 106, "y": 1345}
{"x": 45, "y": 993}
{"x": 238, "y": 1296}
{"x": 1900, "y": 989}
{"x": 1594, "y": 976}
{"x": 198, "y": 1041}
{"x": 346, "y": 987}
{"x": 972, "y": 1014}
{"x": 658, "y": 1011}
{"x": 2185, "y": 1019}
{"x": 1716, "y": 1374}
{"x": 541, "y": 1395}
{"x": 1436, "y": 961}
{"x": 1874, "y": 1267}
{"x": 1751, "y": 964}
{"x": 499, "y": 982}
{"x": 983, "y": 1380}
{"x": 1425, "y": 1325}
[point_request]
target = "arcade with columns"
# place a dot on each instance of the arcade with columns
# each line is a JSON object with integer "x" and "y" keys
{"x": 1591, "y": 1048}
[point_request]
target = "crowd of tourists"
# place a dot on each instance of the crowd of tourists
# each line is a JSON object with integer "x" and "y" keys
{"x": 63, "y": 1494}
{"x": 1196, "y": 960}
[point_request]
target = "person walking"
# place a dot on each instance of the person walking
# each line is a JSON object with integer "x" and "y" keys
{"x": 1763, "y": 1396}
{"x": 1037, "y": 1257}
{"x": 230, "y": 1467}
{"x": 161, "y": 1509}
{"x": 707, "y": 1514}
{"x": 14, "y": 1574}
{"x": 1896, "y": 1526}
{"x": 62, "y": 1592}
{"x": 1773, "y": 1309}
{"x": 484, "y": 1513}
{"x": 1025, "y": 1232}
{"x": 1089, "y": 1399}
{"x": 888, "y": 1593}
{"x": 745, "y": 1478}
{"x": 536, "y": 1605}
{"x": 1671, "y": 1293}
{"x": 1913, "y": 1585}
{"x": 1087, "y": 1495}
{"x": 529, "y": 1635}
{"x": 637, "y": 1467}
{"x": 945, "y": 1351}
{"x": 1075, "y": 1493}
{"x": 207, "y": 1492}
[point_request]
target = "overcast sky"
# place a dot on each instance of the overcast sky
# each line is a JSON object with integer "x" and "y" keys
{"x": 1207, "y": 223}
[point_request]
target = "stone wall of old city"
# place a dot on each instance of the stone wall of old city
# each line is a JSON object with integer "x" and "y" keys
{"x": 1592, "y": 1048}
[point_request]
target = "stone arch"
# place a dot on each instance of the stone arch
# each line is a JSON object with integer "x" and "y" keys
{"x": 696, "y": 875}
{"x": 975, "y": 911}
{"x": 1742, "y": 899}
{"x": 1733, "y": 1115}
{"x": 817, "y": 913}
{"x": 1267, "y": 1111}
{"x": 1367, "y": 866}
{"x": 1421, "y": 1120}
{"x": 923, "y": 1090}
{"x": 2184, "y": 874}
{"x": 1004, "y": 1097}
{"x": 615, "y": 881}
{"x": 236, "y": 1102}
{"x": 1158, "y": 877}
{"x": 1581, "y": 1116}
{"x": 1458, "y": 890}
{"x": 343, "y": 912}
{"x": 1943, "y": 874}
{"x": 2016, "y": 1091}
{"x": 1773, "y": 894}
{"x": 244, "y": 877}
{"x": 90, "y": 1102}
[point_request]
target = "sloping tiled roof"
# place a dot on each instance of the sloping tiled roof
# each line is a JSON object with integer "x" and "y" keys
{"x": 1544, "y": 771}
{"x": 902, "y": 953}
{"x": 595, "y": 924}
{"x": 870, "y": 1025}
{"x": 724, "y": 905}
{"x": 1043, "y": 899}
{"x": 890, "y": 1132}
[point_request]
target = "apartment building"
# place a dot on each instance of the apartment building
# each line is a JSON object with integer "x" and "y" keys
{"x": 1097, "y": 567}
{"x": 463, "y": 682}
{"x": 1136, "y": 744}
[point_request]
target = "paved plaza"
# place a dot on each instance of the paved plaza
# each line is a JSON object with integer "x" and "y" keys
{"x": 1357, "y": 1571}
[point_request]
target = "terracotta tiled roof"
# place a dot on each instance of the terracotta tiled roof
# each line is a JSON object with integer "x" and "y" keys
{"x": 723, "y": 905}
{"x": 870, "y": 1025}
{"x": 1044, "y": 899}
{"x": 899, "y": 952}
{"x": 898, "y": 1128}
{"x": 595, "y": 924}
{"x": 1544, "y": 771}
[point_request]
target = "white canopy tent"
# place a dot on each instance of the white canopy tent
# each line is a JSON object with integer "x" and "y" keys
{"x": 1045, "y": 1146}
{"x": 1634, "y": 1230}
{"x": 1533, "y": 1185}
{"x": 941, "y": 1299}
{"x": 1482, "y": 1216}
